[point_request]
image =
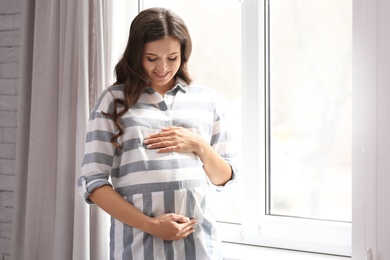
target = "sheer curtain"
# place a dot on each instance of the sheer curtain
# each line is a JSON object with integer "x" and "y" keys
{"x": 63, "y": 68}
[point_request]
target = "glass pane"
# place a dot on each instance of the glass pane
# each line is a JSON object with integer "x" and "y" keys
{"x": 215, "y": 28}
{"x": 310, "y": 108}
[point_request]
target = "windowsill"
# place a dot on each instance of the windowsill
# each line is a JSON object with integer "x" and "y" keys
{"x": 245, "y": 252}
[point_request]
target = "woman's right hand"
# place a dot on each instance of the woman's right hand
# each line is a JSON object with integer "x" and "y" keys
{"x": 171, "y": 226}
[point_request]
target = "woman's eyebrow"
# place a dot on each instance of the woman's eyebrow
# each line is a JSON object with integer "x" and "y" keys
{"x": 152, "y": 54}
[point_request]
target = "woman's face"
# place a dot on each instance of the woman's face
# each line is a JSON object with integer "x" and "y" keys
{"x": 161, "y": 61}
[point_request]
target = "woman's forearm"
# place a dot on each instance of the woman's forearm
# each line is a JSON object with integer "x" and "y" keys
{"x": 217, "y": 169}
{"x": 111, "y": 202}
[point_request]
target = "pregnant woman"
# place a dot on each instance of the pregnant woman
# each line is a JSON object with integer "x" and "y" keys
{"x": 156, "y": 145}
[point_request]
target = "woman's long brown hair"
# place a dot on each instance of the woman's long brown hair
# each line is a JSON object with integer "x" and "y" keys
{"x": 149, "y": 25}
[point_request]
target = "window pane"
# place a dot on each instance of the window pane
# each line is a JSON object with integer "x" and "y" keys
{"x": 310, "y": 108}
{"x": 215, "y": 29}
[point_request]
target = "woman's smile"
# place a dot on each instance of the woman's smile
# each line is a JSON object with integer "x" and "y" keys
{"x": 161, "y": 75}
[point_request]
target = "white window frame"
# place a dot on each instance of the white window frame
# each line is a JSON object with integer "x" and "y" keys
{"x": 258, "y": 228}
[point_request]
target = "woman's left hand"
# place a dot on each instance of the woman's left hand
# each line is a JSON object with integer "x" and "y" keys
{"x": 178, "y": 139}
{"x": 174, "y": 139}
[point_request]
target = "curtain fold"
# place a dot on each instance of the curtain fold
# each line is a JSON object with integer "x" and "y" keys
{"x": 62, "y": 72}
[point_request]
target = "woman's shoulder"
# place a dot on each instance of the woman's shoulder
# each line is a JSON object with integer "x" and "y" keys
{"x": 108, "y": 96}
{"x": 209, "y": 94}
{"x": 195, "y": 87}
{"x": 202, "y": 89}
{"x": 112, "y": 92}
{"x": 115, "y": 91}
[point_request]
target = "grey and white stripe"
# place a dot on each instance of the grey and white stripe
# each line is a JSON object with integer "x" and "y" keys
{"x": 157, "y": 183}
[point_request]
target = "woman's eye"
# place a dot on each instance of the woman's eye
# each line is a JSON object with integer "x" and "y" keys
{"x": 150, "y": 59}
{"x": 172, "y": 59}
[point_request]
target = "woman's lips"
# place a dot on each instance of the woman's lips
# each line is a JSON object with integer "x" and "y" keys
{"x": 161, "y": 75}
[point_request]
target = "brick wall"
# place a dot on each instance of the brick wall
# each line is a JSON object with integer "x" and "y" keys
{"x": 10, "y": 22}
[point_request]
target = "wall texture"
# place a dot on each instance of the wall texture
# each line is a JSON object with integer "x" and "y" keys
{"x": 9, "y": 57}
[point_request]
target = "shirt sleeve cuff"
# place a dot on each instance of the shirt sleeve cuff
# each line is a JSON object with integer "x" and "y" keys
{"x": 230, "y": 183}
{"x": 85, "y": 189}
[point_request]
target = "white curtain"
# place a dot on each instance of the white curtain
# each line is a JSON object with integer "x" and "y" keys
{"x": 62, "y": 71}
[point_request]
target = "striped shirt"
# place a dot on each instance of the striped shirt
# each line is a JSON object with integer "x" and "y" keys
{"x": 157, "y": 183}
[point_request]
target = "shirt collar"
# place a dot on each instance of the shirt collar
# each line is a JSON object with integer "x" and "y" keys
{"x": 179, "y": 85}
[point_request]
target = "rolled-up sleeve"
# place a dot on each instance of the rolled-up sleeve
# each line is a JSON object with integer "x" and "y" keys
{"x": 99, "y": 152}
{"x": 223, "y": 142}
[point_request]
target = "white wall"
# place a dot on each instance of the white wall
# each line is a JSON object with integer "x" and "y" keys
{"x": 9, "y": 57}
{"x": 383, "y": 130}
{"x": 371, "y": 175}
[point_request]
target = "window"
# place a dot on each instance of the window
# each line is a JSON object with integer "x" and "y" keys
{"x": 285, "y": 68}
{"x": 309, "y": 94}
{"x": 294, "y": 58}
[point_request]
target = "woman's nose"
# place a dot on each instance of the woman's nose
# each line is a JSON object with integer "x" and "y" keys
{"x": 162, "y": 65}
